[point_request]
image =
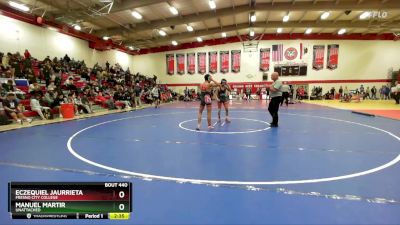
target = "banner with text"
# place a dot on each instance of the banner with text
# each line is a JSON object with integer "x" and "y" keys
{"x": 180, "y": 63}
{"x": 224, "y": 61}
{"x": 170, "y": 59}
{"x": 212, "y": 62}
{"x": 201, "y": 62}
{"x": 191, "y": 63}
{"x": 235, "y": 58}
{"x": 264, "y": 59}
{"x": 333, "y": 57}
{"x": 318, "y": 57}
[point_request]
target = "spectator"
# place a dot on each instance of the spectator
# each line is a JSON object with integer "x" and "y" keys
{"x": 27, "y": 54}
{"x": 41, "y": 110}
{"x": 67, "y": 58}
{"x": 340, "y": 92}
{"x": 285, "y": 93}
{"x": 367, "y": 94}
{"x": 138, "y": 94}
{"x": 12, "y": 110}
{"x": 362, "y": 90}
{"x": 155, "y": 92}
{"x": 85, "y": 98}
{"x": 58, "y": 101}
{"x": 118, "y": 99}
{"x": 71, "y": 99}
{"x": 6, "y": 61}
{"x": 35, "y": 88}
{"x": 382, "y": 92}
{"x": 393, "y": 92}
{"x": 52, "y": 86}
{"x": 107, "y": 66}
{"x": 248, "y": 94}
{"x": 387, "y": 92}
{"x": 301, "y": 93}
{"x": 9, "y": 86}
{"x": 332, "y": 93}
{"x": 373, "y": 93}
{"x": 47, "y": 71}
{"x": 81, "y": 106}
{"x": 49, "y": 98}
{"x": 346, "y": 91}
{"x": 397, "y": 92}
{"x": 16, "y": 67}
{"x": 106, "y": 101}
{"x": 69, "y": 84}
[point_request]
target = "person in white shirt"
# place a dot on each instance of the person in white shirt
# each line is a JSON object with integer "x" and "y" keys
{"x": 35, "y": 106}
{"x": 285, "y": 94}
{"x": 155, "y": 92}
{"x": 6, "y": 60}
{"x": 34, "y": 88}
{"x": 51, "y": 86}
{"x": 78, "y": 103}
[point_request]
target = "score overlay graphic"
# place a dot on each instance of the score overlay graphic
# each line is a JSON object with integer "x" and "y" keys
{"x": 70, "y": 200}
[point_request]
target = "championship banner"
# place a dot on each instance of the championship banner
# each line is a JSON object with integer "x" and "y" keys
{"x": 170, "y": 63}
{"x": 180, "y": 63}
{"x": 235, "y": 54}
{"x": 212, "y": 62}
{"x": 224, "y": 61}
{"x": 201, "y": 62}
{"x": 333, "y": 57}
{"x": 318, "y": 57}
{"x": 191, "y": 63}
{"x": 264, "y": 59}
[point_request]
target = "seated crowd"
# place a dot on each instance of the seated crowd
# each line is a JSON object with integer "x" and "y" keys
{"x": 53, "y": 82}
{"x": 361, "y": 93}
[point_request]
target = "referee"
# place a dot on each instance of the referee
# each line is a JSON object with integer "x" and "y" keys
{"x": 276, "y": 95}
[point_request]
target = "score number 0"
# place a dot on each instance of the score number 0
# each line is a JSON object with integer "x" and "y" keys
{"x": 121, "y": 206}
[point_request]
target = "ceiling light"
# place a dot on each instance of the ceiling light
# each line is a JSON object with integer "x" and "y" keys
{"x": 77, "y": 27}
{"x": 212, "y": 4}
{"x": 365, "y": 15}
{"x": 253, "y": 18}
{"x": 19, "y": 6}
{"x": 199, "y": 39}
{"x": 137, "y": 15}
{"x": 174, "y": 43}
{"x": 279, "y": 30}
{"x": 223, "y": 34}
{"x": 106, "y": 38}
{"x": 251, "y": 33}
{"x": 173, "y": 10}
{"x": 189, "y": 28}
{"x": 342, "y": 31}
{"x": 286, "y": 18}
{"x": 325, "y": 15}
{"x": 52, "y": 28}
{"x": 162, "y": 33}
{"x": 309, "y": 30}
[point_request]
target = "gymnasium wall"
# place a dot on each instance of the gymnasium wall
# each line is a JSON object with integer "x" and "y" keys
{"x": 358, "y": 60}
{"x": 41, "y": 42}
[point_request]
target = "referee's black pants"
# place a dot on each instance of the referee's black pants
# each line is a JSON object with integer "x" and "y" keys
{"x": 273, "y": 109}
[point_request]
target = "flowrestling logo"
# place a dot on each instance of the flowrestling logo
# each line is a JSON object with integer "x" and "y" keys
{"x": 374, "y": 15}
